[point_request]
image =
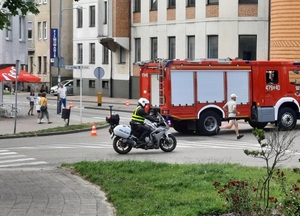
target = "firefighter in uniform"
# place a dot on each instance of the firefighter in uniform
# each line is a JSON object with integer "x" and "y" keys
{"x": 138, "y": 117}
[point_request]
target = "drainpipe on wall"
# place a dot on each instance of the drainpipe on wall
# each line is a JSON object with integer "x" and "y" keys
{"x": 269, "y": 29}
{"x": 111, "y": 74}
{"x": 129, "y": 53}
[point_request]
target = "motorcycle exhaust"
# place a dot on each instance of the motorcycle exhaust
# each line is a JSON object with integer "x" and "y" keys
{"x": 129, "y": 142}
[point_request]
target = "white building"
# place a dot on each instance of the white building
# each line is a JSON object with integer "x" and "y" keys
{"x": 116, "y": 34}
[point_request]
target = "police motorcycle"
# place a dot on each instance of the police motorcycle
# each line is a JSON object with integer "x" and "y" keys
{"x": 124, "y": 138}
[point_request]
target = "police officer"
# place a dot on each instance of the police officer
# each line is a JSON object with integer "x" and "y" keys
{"x": 138, "y": 117}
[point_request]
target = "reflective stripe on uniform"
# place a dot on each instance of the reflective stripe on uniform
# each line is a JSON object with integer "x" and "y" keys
{"x": 136, "y": 117}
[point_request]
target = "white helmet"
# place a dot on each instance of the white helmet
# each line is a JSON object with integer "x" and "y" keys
{"x": 143, "y": 102}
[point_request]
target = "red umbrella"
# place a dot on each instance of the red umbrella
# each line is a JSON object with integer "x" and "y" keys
{"x": 9, "y": 74}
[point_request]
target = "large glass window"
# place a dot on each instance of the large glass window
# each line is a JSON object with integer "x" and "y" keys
{"x": 191, "y": 47}
{"x": 45, "y": 30}
{"x": 45, "y": 64}
{"x": 190, "y": 3}
{"x": 105, "y": 13}
{"x": 79, "y": 18}
{"x": 171, "y": 3}
{"x": 105, "y": 55}
{"x": 22, "y": 30}
{"x": 8, "y": 31}
{"x": 212, "y": 1}
{"x": 122, "y": 57}
{"x": 92, "y": 16}
{"x": 92, "y": 53}
{"x": 137, "y": 5}
{"x": 79, "y": 53}
{"x": 154, "y": 48}
{"x": 29, "y": 30}
{"x": 212, "y": 46}
{"x": 137, "y": 49}
{"x": 40, "y": 30}
{"x": 248, "y": 1}
{"x": 39, "y": 64}
{"x": 172, "y": 48}
{"x": 153, "y": 4}
{"x": 247, "y": 47}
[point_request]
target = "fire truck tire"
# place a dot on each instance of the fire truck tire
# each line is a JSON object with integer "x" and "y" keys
{"x": 287, "y": 119}
{"x": 208, "y": 123}
{"x": 258, "y": 125}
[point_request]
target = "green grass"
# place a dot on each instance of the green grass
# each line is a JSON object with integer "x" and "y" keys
{"x": 148, "y": 188}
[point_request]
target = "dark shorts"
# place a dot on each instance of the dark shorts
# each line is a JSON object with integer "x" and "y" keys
{"x": 31, "y": 103}
{"x": 231, "y": 118}
{"x": 38, "y": 111}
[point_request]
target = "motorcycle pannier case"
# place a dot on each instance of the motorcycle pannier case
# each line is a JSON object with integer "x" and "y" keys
{"x": 113, "y": 119}
{"x": 122, "y": 131}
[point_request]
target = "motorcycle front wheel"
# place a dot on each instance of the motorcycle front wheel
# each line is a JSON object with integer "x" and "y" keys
{"x": 120, "y": 147}
{"x": 168, "y": 145}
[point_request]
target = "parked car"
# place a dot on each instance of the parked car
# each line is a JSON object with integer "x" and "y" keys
{"x": 67, "y": 83}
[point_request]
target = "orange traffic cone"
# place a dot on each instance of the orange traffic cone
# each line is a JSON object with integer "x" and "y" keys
{"x": 94, "y": 132}
{"x": 127, "y": 103}
{"x": 71, "y": 104}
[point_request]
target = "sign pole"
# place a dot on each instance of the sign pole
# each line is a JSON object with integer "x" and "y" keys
{"x": 16, "y": 94}
{"x": 80, "y": 94}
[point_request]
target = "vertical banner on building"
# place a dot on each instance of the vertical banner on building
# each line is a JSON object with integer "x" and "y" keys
{"x": 54, "y": 46}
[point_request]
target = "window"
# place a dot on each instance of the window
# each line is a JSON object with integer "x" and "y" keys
{"x": 191, "y": 3}
{"x": 105, "y": 84}
{"x": 92, "y": 16}
{"x": 172, "y": 48}
{"x": 45, "y": 29}
{"x": 248, "y": 1}
{"x": 79, "y": 53}
{"x": 153, "y": 48}
{"x": 39, "y": 30}
{"x": 79, "y": 18}
{"x": 171, "y": 3}
{"x": 78, "y": 83}
{"x": 8, "y": 30}
{"x": 137, "y": 49}
{"x": 45, "y": 1}
{"x": 29, "y": 30}
{"x": 191, "y": 47}
{"x": 153, "y": 5}
{"x": 105, "y": 13}
{"x": 137, "y": 5}
{"x": 22, "y": 28}
{"x": 271, "y": 77}
{"x": 105, "y": 55}
{"x": 45, "y": 64}
{"x": 92, "y": 53}
{"x": 39, "y": 64}
{"x": 40, "y": 1}
{"x": 247, "y": 47}
{"x": 212, "y": 46}
{"x": 92, "y": 83}
{"x": 212, "y": 1}
{"x": 122, "y": 57}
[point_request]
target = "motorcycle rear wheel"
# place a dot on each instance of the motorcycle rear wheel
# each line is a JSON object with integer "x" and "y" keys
{"x": 121, "y": 147}
{"x": 168, "y": 145}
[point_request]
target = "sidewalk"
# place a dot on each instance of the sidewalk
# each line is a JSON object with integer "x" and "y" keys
{"x": 29, "y": 123}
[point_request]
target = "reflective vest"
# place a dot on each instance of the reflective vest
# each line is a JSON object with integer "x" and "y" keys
{"x": 136, "y": 117}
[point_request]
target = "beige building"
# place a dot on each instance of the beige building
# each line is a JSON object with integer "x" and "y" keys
{"x": 40, "y": 40}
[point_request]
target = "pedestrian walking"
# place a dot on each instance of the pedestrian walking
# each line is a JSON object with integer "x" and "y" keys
{"x": 62, "y": 93}
{"x": 230, "y": 107}
{"x": 31, "y": 99}
{"x": 44, "y": 108}
{"x": 38, "y": 107}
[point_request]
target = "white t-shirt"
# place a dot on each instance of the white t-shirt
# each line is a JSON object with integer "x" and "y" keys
{"x": 62, "y": 91}
{"x": 230, "y": 106}
{"x": 37, "y": 103}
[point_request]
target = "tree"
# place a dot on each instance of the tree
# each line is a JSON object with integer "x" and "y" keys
{"x": 14, "y": 8}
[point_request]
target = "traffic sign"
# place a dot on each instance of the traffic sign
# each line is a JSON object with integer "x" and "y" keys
{"x": 76, "y": 67}
{"x": 99, "y": 72}
{"x": 72, "y": 67}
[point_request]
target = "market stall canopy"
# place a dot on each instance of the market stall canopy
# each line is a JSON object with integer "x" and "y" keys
{"x": 9, "y": 74}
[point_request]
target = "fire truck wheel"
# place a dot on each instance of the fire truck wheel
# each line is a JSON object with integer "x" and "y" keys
{"x": 208, "y": 123}
{"x": 258, "y": 125}
{"x": 287, "y": 119}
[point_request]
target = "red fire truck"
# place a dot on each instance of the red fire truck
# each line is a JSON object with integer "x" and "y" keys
{"x": 191, "y": 94}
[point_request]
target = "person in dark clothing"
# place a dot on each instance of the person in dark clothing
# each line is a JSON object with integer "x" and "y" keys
{"x": 138, "y": 117}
